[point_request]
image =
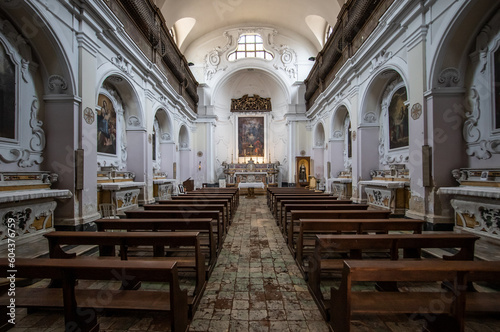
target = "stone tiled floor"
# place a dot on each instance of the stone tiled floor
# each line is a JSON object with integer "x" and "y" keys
{"x": 256, "y": 285}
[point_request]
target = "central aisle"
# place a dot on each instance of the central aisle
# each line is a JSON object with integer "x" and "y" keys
{"x": 256, "y": 285}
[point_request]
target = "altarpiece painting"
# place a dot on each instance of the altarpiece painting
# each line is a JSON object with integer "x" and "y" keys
{"x": 106, "y": 126}
{"x": 251, "y": 136}
{"x": 398, "y": 120}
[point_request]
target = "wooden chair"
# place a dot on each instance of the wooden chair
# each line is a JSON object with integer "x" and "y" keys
{"x": 108, "y": 211}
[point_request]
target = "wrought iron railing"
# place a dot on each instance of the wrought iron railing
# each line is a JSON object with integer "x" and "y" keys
{"x": 356, "y": 21}
{"x": 146, "y": 26}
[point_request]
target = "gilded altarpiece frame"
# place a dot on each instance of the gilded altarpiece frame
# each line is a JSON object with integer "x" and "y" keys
{"x": 251, "y": 127}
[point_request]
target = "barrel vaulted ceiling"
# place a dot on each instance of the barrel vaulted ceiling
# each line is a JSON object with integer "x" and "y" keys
{"x": 193, "y": 19}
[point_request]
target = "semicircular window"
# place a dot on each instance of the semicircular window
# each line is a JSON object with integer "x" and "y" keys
{"x": 250, "y": 46}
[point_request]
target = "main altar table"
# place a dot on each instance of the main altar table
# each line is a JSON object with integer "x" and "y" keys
{"x": 250, "y": 187}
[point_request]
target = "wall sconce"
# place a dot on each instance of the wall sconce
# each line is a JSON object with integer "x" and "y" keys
{"x": 312, "y": 58}
{"x": 190, "y": 64}
{"x": 199, "y": 165}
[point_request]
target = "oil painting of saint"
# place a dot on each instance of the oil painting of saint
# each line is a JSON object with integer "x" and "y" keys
{"x": 398, "y": 120}
{"x": 106, "y": 126}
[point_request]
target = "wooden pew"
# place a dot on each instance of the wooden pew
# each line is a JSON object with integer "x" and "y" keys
{"x": 193, "y": 260}
{"x": 203, "y": 225}
{"x": 218, "y": 191}
{"x": 192, "y": 207}
{"x": 346, "y": 301}
{"x": 317, "y": 207}
{"x": 310, "y": 195}
{"x": 204, "y": 201}
{"x": 273, "y": 191}
{"x": 81, "y": 305}
{"x": 292, "y": 227}
{"x": 201, "y": 196}
{"x": 390, "y": 244}
{"x": 301, "y": 199}
{"x": 179, "y": 215}
{"x": 289, "y": 191}
{"x": 305, "y": 200}
{"x": 308, "y": 229}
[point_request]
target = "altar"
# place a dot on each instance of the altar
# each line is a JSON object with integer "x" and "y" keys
{"x": 250, "y": 187}
{"x": 239, "y": 173}
{"x": 119, "y": 189}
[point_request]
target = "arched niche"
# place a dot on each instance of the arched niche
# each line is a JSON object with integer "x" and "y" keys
{"x": 119, "y": 116}
{"x": 164, "y": 144}
{"x": 319, "y": 146}
{"x": 185, "y": 157}
{"x": 341, "y": 140}
{"x": 384, "y": 121}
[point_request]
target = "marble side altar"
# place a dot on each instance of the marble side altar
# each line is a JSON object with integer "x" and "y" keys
{"x": 162, "y": 187}
{"x": 388, "y": 189}
{"x": 27, "y": 199}
{"x": 341, "y": 186}
{"x": 119, "y": 188}
{"x": 476, "y": 201}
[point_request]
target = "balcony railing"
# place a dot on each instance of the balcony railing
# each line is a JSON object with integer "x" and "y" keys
{"x": 356, "y": 21}
{"x": 146, "y": 26}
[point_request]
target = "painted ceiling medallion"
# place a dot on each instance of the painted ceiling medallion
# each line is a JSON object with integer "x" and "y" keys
{"x": 199, "y": 154}
{"x": 302, "y": 152}
{"x": 416, "y": 111}
{"x": 88, "y": 115}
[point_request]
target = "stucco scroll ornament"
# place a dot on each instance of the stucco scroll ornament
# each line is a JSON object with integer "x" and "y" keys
{"x": 482, "y": 41}
{"x": 134, "y": 121}
{"x": 27, "y": 157}
{"x": 57, "y": 84}
{"x": 471, "y": 132}
{"x": 338, "y": 134}
{"x": 165, "y": 137}
{"x": 123, "y": 64}
{"x": 213, "y": 58}
{"x": 380, "y": 59}
{"x": 370, "y": 117}
{"x": 288, "y": 59}
{"x": 449, "y": 77}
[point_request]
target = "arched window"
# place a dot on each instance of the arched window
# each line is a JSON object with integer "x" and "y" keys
{"x": 250, "y": 46}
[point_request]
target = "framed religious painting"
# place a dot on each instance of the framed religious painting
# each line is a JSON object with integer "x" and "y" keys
{"x": 251, "y": 136}
{"x": 398, "y": 120}
{"x": 303, "y": 166}
{"x": 106, "y": 126}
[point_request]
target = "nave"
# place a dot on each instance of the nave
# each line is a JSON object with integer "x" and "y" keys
{"x": 255, "y": 286}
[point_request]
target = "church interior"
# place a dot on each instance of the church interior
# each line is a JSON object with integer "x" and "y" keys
{"x": 233, "y": 165}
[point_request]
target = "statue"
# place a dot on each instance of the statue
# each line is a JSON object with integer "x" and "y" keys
{"x": 302, "y": 173}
